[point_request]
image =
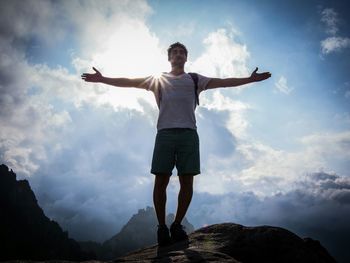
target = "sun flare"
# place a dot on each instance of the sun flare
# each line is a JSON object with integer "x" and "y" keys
{"x": 126, "y": 59}
{"x": 157, "y": 75}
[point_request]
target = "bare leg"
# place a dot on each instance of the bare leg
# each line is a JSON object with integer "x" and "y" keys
{"x": 185, "y": 196}
{"x": 159, "y": 196}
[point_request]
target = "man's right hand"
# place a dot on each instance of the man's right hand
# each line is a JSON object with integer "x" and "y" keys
{"x": 96, "y": 77}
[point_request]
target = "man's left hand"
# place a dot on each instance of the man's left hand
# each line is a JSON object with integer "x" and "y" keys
{"x": 259, "y": 76}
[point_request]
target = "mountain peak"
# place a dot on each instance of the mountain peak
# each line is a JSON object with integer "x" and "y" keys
{"x": 26, "y": 233}
{"x": 140, "y": 231}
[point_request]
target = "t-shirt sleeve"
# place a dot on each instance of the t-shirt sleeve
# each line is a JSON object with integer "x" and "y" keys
{"x": 202, "y": 82}
{"x": 148, "y": 84}
{"x": 152, "y": 84}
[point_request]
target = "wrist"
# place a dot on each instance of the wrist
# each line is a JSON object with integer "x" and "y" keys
{"x": 251, "y": 79}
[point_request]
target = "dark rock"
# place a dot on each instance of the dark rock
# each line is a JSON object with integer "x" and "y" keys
{"x": 25, "y": 231}
{"x": 236, "y": 243}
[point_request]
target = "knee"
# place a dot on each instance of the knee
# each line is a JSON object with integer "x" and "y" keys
{"x": 162, "y": 181}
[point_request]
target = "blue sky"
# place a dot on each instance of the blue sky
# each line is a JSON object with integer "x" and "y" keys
{"x": 274, "y": 152}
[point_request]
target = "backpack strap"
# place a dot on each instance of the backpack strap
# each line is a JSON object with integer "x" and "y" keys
{"x": 194, "y": 77}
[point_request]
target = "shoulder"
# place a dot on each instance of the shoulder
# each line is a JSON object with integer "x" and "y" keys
{"x": 200, "y": 79}
{"x": 198, "y": 75}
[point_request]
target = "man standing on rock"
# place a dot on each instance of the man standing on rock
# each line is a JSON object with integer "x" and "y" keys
{"x": 177, "y": 142}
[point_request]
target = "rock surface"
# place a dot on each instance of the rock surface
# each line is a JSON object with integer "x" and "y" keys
{"x": 236, "y": 243}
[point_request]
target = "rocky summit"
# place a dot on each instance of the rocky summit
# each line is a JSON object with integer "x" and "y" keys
{"x": 230, "y": 242}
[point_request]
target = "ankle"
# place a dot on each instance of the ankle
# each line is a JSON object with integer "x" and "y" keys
{"x": 176, "y": 222}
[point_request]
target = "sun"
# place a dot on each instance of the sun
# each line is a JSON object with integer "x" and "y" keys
{"x": 120, "y": 56}
{"x": 157, "y": 75}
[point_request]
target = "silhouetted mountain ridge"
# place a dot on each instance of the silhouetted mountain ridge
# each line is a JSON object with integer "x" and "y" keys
{"x": 26, "y": 233}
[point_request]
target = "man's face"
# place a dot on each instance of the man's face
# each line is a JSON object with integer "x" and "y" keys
{"x": 177, "y": 56}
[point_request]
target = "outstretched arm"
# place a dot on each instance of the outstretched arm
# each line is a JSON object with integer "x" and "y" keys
{"x": 118, "y": 82}
{"x": 232, "y": 82}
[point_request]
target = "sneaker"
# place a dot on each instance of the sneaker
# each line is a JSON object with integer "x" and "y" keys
{"x": 177, "y": 232}
{"x": 163, "y": 236}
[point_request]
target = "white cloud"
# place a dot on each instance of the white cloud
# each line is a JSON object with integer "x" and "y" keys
{"x": 282, "y": 86}
{"x": 236, "y": 122}
{"x": 124, "y": 48}
{"x": 36, "y": 18}
{"x": 249, "y": 165}
{"x": 223, "y": 56}
{"x": 276, "y": 170}
{"x": 98, "y": 173}
{"x": 28, "y": 123}
{"x": 330, "y": 18}
{"x": 34, "y": 97}
{"x": 97, "y": 22}
{"x": 309, "y": 210}
{"x": 328, "y": 145}
{"x": 113, "y": 37}
{"x": 334, "y": 44}
{"x": 246, "y": 207}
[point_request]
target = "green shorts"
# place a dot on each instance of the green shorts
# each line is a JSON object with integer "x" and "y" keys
{"x": 176, "y": 147}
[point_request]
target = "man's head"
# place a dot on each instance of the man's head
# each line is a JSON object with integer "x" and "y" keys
{"x": 177, "y": 49}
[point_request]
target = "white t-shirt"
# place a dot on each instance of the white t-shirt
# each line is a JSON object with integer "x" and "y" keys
{"x": 177, "y": 102}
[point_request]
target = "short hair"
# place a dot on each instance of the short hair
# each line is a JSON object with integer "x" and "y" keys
{"x": 177, "y": 44}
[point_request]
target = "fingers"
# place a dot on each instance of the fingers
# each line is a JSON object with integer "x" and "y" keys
{"x": 266, "y": 75}
{"x": 262, "y": 76}
{"x": 85, "y": 75}
{"x": 88, "y": 76}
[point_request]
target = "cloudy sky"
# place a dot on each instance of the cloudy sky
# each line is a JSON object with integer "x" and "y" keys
{"x": 275, "y": 152}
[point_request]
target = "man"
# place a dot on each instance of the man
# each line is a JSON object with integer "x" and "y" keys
{"x": 177, "y": 142}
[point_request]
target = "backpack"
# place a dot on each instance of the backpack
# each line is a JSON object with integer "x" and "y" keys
{"x": 194, "y": 77}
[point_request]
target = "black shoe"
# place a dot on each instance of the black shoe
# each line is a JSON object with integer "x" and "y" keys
{"x": 177, "y": 232}
{"x": 163, "y": 235}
